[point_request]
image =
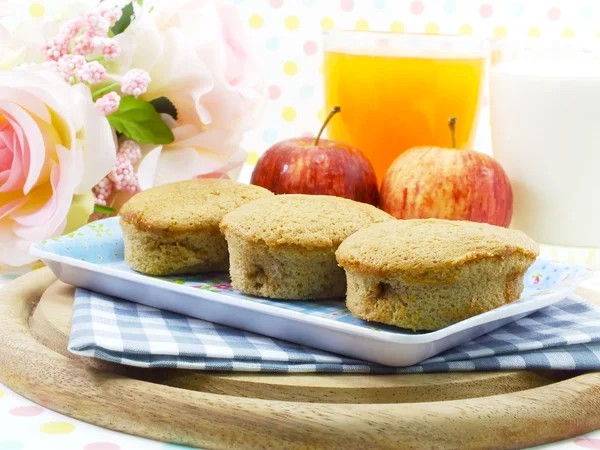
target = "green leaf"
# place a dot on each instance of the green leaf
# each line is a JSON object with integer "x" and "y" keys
{"x": 140, "y": 2}
{"x": 124, "y": 21}
{"x": 104, "y": 209}
{"x": 164, "y": 105}
{"x": 137, "y": 119}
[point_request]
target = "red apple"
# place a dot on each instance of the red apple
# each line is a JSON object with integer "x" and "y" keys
{"x": 317, "y": 166}
{"x": 447, "y": 183}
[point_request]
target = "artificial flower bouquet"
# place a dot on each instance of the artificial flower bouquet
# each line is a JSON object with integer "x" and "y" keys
{"x": 119, "y": 99}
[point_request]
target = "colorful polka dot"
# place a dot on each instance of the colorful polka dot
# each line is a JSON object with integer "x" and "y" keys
{"x": 518, "y": 9}
{"x": 397, "y": 27}
{"x": 586, "y": 12}
{"x": 310, "y": 47}
{"x": 327, "y": 23}
{"x": 26, "y": 411}
{"x": 276, "y": 3}
{"x": 431, "y": 28}
{"x": 379, "y": 4}
{"x": 466, "y": 29}
{"x": 417, "y": 7}
{"x": 37, "y": 10}
{"x": 347, "y": 5}
{"x": 591, "y": 443}
{"x": 57, "y": 428}
{"x": 361, "y": 25}
{"x": 554, "y": 13}
{"x": 534, "y": 32}
{"x": 269, "y": 135}
{"x": 252, "y": 158}
{"x": 568, "y": 33}
{"x": 12, "y": 445}
{"x": 101, "y": 446}
{"x": 288, "y": 114}
{"x": 1, "y": 394}
{"x": 290, "y": 68}
{"x": 256, "y": 21}
{"x": 307, "y": 91}
{"x": 486, "y": 11}
{"x": 449, "y": 6}
{"x": 272, "y": 43}
{"x": 292, "y": 22}
{"x": 500, "y": 31}
{"x": 274, "y": 92}
{"x": 321, "y": 115}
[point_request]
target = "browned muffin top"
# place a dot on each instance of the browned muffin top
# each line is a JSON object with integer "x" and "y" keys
{"x": 310, "y": 221}
{"x": 423, "y": 246}
{"x": 190, "y": 205}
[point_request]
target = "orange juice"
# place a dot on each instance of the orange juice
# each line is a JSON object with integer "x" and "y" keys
{"x": 390, "y": 102}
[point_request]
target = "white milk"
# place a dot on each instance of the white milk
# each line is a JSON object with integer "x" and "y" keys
{"x": 546, "y": 134}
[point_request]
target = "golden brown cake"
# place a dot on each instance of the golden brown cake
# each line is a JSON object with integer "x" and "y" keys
{"x": 284, "y": 246}
{"x": 174, "y": 228}
{"x": 427, "y": 274}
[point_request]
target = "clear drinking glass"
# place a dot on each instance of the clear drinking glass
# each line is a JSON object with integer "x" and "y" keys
{"x": 397, "y": 91}
{"x": 545, "y": 118}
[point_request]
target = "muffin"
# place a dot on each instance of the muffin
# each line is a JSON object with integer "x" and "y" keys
{"x": 174, "y": 228}
{"x": 284, "y": 246}
{"x": 427, "y": 274}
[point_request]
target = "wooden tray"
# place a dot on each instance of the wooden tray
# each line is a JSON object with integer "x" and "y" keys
{"x": 210, "y": 410}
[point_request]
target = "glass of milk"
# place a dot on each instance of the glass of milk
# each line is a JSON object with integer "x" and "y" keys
{"x": 545, "y": 120}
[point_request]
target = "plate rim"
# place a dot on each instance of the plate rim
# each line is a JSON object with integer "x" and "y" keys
{"x": 503, "y": 312}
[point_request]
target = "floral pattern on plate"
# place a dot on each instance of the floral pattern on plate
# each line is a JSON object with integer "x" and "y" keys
{"x": 101, "y": 243}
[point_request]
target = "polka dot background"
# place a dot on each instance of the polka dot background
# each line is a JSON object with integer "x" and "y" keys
{"x": 287, "y": 37}
{"x": 27, "y": 426}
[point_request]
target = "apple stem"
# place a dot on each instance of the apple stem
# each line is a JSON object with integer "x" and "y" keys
{"x": 452, "y": 126}
{"x": 334, "y": 111}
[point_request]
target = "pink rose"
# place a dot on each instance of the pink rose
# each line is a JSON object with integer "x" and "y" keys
{"x": 197, "y": 56}
{"x": 215, "y": 33}
{"x": 54, "y": 145}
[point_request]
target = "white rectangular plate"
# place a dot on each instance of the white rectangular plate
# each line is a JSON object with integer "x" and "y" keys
{"x": 92, "y": 258}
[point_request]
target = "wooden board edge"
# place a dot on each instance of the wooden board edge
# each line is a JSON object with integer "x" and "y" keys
{"x": 565, "y": 409}
{"x": 50, "y": 325}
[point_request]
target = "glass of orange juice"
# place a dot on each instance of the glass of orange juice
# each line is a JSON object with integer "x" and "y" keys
{"x": 398, "y": 91}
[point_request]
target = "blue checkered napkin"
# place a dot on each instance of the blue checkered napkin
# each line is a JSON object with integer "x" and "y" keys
{"x": 560, "y": 337}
